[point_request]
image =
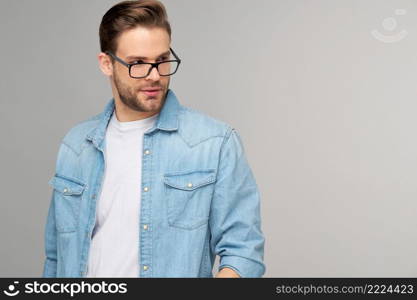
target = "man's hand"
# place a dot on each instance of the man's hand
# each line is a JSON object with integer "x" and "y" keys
{"x": 227, "y": 273}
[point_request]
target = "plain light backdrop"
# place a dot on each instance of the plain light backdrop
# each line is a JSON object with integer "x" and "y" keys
{"x": 322, "y": 92}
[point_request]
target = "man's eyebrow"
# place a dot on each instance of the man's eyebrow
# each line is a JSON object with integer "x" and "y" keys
{"x": 143, "y": 57}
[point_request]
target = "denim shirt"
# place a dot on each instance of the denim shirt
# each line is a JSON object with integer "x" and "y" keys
{"x": 199, "y": 198}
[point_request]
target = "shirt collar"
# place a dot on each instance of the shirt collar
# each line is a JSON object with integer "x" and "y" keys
{"x": 167, "y": 119}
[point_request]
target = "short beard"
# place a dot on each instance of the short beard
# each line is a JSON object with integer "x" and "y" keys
{"x": 129, "y": 98}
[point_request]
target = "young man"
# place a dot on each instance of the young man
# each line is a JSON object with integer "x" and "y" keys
{"x": 150, "y": 188}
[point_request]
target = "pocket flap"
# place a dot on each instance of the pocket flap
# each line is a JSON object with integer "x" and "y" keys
{"x": 66, "y": 185}
{"x": 190, "y": 180}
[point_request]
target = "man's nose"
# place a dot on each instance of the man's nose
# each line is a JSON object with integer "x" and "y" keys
{"x": 154, "y": 75}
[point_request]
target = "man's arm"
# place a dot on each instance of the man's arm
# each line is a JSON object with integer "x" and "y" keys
{"x": 235, "y": 221}
{"x": 227, "y": 273}
{"x": 49, "y": 268}
{"x": 50, "y": 263}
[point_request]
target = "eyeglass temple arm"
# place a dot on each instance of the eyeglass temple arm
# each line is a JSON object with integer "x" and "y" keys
{"x": 176, "y": 57}
{"x": 116, "y": 58}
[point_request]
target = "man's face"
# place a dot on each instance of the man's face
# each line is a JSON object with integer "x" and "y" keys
{"x": 148, "y": 45}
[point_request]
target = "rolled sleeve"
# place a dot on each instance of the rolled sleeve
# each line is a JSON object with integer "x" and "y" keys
{"x": 235, "y": 221}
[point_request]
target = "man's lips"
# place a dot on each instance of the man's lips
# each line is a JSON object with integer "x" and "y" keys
{"x": 151, "y": 91}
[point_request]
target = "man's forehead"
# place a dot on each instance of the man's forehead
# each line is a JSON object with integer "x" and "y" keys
{"x": 144, "y": 43}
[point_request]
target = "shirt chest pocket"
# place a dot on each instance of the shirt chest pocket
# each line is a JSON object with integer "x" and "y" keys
{"x": 68, "y": 193}
{"x": 188, "y": 196}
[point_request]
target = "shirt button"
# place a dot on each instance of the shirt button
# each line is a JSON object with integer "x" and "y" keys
{"x": 65, "y": 190}
{"x": 145, "y": 227}
{"x": 146, "y": 189}
{"x": 147, "y": 151}
{"x": 145, "y": 268}
{"x": 190, "y": 185}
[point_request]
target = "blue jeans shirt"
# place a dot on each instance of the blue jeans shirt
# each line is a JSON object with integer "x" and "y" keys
{"x": 199, "y": 198}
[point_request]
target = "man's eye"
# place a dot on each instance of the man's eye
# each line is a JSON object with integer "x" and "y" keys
{"x": 137, "y": 62}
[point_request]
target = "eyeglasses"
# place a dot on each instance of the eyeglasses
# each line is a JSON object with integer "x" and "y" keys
{"x": 143, "y": 69}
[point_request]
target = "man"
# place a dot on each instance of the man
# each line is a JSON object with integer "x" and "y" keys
{"x": 150, "y": 188}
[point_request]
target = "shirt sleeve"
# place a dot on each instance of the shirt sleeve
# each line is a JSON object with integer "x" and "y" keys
{"x": 50, "y": 240}
{"x": 235, "y": 221}
{"x": 49, "y": 268}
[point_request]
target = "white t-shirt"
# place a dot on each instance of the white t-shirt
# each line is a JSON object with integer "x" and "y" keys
{"x": 114, "y": 250}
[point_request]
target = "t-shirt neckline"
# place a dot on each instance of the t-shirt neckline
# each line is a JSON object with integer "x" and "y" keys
{"x": 137, "y": 124}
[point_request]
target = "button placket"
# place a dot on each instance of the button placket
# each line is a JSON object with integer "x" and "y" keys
{"x": 145, "y": 246}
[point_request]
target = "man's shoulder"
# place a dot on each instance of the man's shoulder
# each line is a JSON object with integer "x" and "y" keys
{"x": 76, "y": 135}
{"x": 196, "y": 126}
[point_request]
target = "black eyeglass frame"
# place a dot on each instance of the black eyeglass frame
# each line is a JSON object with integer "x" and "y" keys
{"x": 153, "y": 65}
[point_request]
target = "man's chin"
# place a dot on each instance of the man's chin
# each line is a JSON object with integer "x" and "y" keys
{"x": 151, "y": 104}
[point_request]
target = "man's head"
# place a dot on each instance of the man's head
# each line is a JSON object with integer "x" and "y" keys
{"x": 136, "y": 31}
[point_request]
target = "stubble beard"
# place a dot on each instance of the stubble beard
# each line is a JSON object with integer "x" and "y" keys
{"x": 138, "y": 102}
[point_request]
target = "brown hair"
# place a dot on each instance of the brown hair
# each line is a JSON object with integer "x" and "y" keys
{"x": 128, "y": 15}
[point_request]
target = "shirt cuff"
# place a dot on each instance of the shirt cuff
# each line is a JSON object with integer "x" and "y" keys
{"x": 49, "y": 269}
{"x": 242, "y": 266}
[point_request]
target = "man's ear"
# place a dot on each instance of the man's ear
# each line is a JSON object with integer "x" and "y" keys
{"x": 105, "y": 64}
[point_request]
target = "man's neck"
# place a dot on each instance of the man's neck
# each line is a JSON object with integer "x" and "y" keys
{"x": 126, "y": 114}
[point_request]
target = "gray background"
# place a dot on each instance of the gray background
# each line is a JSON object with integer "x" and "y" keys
{"x": 327, "y": 114}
